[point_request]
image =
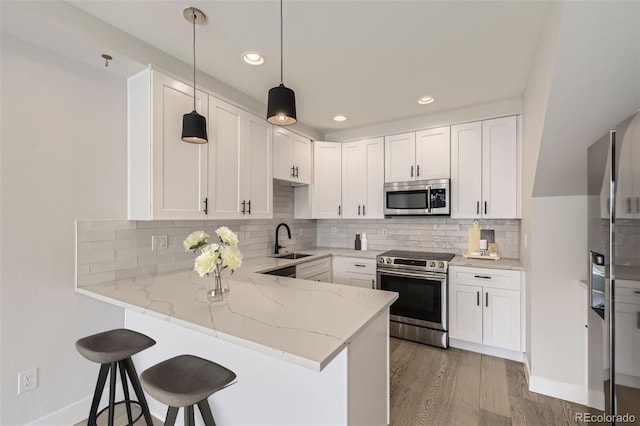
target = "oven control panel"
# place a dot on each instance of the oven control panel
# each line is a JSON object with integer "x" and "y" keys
{"x": 412, "y": 264}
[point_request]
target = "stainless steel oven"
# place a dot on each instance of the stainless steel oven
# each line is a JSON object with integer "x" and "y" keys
{"x": 420, "y": 279}
{"x": 419, "y": 198}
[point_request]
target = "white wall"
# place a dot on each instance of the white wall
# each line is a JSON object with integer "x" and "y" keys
{"x": 534, "y": 109}
{"x": 63, "y": 157}
{"x": 558, "y": 299}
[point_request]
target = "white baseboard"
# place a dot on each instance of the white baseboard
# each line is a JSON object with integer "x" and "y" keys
{"x": 561, "y": 390}
{"x": 596, "y": 399}
{"x": 527, "y": 368}
{"x": 487, "y": 350}
{"x": 69, "y": 415}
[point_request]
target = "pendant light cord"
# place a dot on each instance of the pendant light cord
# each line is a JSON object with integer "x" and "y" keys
{"x": 194, "y": 59}
{"x": 281, "y": 48}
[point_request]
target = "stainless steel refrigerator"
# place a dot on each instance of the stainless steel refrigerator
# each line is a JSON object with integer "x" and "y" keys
{"x": 614, "y": 273}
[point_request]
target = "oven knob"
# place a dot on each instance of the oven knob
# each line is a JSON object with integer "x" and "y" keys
{"x": 432, "y": 264}
{"x": 381, "y": 260}
{"x": 441, "y": 265}
{"x": 388, "y": 260}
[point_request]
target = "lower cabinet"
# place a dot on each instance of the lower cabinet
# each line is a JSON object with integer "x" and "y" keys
{"x": 315, "y": 270}
{"x": 354, "y": 271}
{"x": 485, "y": 307}
{"x": 628, "y": 327}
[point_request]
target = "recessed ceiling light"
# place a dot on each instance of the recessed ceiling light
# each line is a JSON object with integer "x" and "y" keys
{"x": 253, "y": 58}
{"x": 339, "y": 117}
{"x": 425, "y": 100}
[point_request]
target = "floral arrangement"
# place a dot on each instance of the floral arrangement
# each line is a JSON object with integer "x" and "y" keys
{"x": 214, "y": 257}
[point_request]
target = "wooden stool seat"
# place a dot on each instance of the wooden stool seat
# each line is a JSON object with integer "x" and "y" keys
{"x": 184, "y": 381}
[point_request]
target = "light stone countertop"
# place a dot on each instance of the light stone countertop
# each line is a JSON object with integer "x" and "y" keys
{"x": 304, "y": 322}
{"x": 513, "y": 264}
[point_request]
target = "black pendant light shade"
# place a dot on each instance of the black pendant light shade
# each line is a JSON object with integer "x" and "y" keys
{"x": 194, "y": 128}
{"x": 194, "y": 125}
{"x": 281, "y": 106}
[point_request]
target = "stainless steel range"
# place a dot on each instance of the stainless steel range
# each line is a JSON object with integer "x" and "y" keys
{"x": 420, "y": 278}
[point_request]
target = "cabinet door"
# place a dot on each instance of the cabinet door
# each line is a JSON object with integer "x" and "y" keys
{"x": 327, "y": 180}
{"x": 302, "y": 159}
{"x": 500, "y": 168}
{"x": 433, "y": 153}
{"x": 354, "y": 177}
{"x": 360, "y": 280}
{"x": 224, "y": 159}
{"x": 179, "y": 168}
{"x": 628, "y": 339}
{"x": 465, "y": 312}
{"x": 466, "y": 170}
{"x": 282, "y": 154}
{"x": 501, "y": 318}
{"x": 399, "y": 157}
{"x": 374, "y": 181}
{"x": 255, "y": 172}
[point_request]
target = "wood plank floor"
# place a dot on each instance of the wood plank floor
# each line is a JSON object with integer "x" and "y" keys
{"x": 433, "y": 386}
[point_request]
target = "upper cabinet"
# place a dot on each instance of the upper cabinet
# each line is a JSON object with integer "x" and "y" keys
{"x": 417, "y": 155}
{"x": 172, "y": 179}
{"x": 327, "y": 181}
{"x": 167, "y": 178}
{"x": 363, "y": 179}
{"x": 485, "y": 171}
{"x": 291, "y": 157}
{"x": 628, "y": 172}
{"x": 239, "y": 182}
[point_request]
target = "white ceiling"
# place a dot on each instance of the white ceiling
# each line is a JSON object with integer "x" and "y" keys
{"x": 368, "y": 60}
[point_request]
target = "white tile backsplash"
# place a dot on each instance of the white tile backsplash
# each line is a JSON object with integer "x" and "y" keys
{"x": 115, "y": 249}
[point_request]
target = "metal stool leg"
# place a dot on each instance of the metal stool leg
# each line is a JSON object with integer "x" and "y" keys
{"x": 102, "y": 379}
{"x": 205, "y": 411}
{"x": 125, "y": 390}
{"x": 133, "y": 376}
{"x": 172, "y": 413}
{"x": 189, "y": 419}
{"x": 112, "y": 392}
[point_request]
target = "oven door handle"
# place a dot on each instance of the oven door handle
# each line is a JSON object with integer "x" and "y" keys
{"x": 436, "y": 276}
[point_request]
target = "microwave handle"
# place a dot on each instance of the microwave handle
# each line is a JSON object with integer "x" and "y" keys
{"x": 429, "y": 198}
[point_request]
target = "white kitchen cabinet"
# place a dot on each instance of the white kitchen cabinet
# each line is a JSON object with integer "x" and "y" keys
{"x": 628, "y": 175}
{"x": 240, "y": 184}
{"x": 354, "y": 271}
{"x": 167, "y": 178}
{"x": 363, "y": 179}
{"x": 627, "y": 319}
{"x": 485, "y": 169}
{"x": 418, "y": 155}
{"x": 326, "y": 187}
{"x": 315, "y": 270}
{"x": 485, "y": 307}
{"x": 291, "y": 157}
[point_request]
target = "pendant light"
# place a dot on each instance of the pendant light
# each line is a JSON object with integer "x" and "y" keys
{"x": 194, "y": 126}
{"x": 281, "y": 106}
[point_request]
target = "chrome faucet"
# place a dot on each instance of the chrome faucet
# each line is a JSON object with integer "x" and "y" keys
{"x": 278, "y": 246}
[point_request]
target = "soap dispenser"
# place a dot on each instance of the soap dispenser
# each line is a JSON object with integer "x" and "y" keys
{"x": 363, "y": 242}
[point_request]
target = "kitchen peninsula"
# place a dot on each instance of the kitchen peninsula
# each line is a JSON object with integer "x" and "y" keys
{"x": 305, "y": 352}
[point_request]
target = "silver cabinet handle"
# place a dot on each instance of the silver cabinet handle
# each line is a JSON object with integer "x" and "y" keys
{"x": 206, "y": 205}
{"x": 485, "y": 277}
{"x": 485, "y": 207}
{"x": 411, "y": 171}
{"x": 293, "y": 171}
{"x": 243, "y": 206}
{"x": 418, "y": 170}
{"x": 478, "y": 298}
{"x": 249, "y": 206}
{"x": 363, "y": 210}
{"x": 297, "y": 172}
{"x": 339, "y": 210}
{"x": 358, "y": 209}
{"x": 477, "y": 207}
{"x": 359, "y": 265}
{"x": 486, "y": 299}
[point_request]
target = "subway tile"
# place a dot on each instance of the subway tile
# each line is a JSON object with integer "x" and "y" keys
{"x": 115, "y": 265}
{"x": 99, "y": 256}
{"x": 96, "y": 278}
{"x": 136, "y": 272}
{"x": 101, "y": 235}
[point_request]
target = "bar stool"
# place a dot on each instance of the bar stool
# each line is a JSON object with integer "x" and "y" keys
{"x": 112, "y": 349}
{"x": 183, "y": 381}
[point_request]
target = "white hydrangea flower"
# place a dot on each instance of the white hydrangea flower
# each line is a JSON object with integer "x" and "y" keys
{"x": 195, "y": 239}
{"x": 227, "y": 236}
{"x": 231, "y": 257}
{"x": 206, "y": 262}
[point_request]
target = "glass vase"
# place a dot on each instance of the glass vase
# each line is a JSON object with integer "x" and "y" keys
{"x": 216, "y": 287}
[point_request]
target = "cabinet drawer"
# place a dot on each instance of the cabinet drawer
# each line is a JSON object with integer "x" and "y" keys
{"x": 313, "y": 268}
{"x": 496, "y": 278}
{"x": 354, "y": 264}
{"x": 627, "y": 294}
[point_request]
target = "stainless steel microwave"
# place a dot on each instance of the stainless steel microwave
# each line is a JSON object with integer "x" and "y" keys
{"x": 417, "y": 198}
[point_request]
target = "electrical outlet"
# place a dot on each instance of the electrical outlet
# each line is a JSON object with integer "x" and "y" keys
{"x": 158, "y": 242}
{"x": 334, "y": 230}
{"x": 384, "y": 232}
{"x": 27, "y": 380}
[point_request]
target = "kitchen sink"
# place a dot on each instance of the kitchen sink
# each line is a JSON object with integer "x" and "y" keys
{"x": 292, "y": 256}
